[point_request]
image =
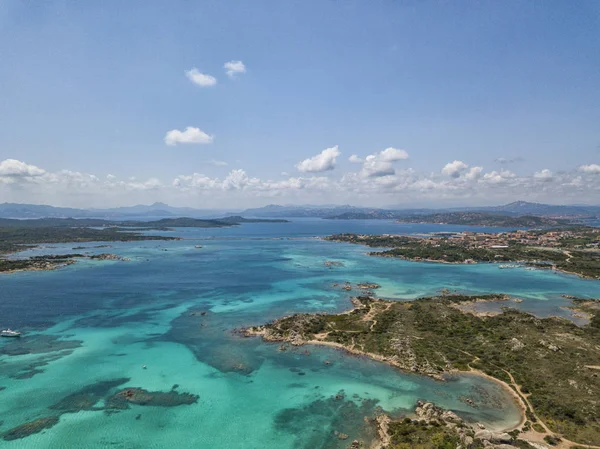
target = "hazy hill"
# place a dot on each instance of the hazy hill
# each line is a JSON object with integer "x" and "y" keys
{"x": 517, "y": 208}
{"x": 15, "y": 210}
{"x": 486, "y": 219}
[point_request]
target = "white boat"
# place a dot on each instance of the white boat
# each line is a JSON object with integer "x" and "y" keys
{"x": 10, "y": 333}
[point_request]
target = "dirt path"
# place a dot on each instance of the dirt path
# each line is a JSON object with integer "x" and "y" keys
{"x": 568, "y": 254}
{"x": 537, "y": 436}
{"x": 369, "y": 315}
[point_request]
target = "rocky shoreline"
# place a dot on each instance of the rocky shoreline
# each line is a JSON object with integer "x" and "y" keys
{"x": 426, "y": 412}
{"x": 51, "y": 262}
{"x": 426, "y": 337}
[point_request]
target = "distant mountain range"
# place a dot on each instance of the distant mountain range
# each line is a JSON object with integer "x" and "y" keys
{"x": 15, "y": 210}
{"x": 351, "y": 212}
{"x": 156, "y": 210}
{"x": 470, "y": 218}
{"x": 517, "y": 208}
{"x": 545, "y": 210}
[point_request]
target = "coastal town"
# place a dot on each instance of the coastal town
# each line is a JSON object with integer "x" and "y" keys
{"x": 578, "y": 238}
{"x": 570, "y": 250}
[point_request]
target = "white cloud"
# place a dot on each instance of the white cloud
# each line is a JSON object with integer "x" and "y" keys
{"x": 190, "y": 135}
{"x": 374, "y": 167}
{"x": 496, "y": 177}
{"x": 379, "y": 164}
{"x": 592, "y": 169}
{"x": 323, "y": 161}
{"x": 217, "y": 163}
{"x": 15, "y": 168}
{"x": 454, "y": 169}
{"x": 474, "y": 173}
{"x": 22, "y": 182}
{"x": 201, "y": 79}
{"x": 238, "y": 179}
{"x": 574, "y": 182}
{"x": 544, "y": 175}
{"x": 392, "y": 155}
{"x": 232, "y": 68}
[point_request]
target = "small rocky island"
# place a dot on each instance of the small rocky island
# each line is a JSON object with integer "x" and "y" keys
{"x": 52, "y": 262}
{"x": 551, "y": 365}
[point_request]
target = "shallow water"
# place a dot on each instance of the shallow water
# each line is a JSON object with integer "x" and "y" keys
{"x": 114, "y": 317}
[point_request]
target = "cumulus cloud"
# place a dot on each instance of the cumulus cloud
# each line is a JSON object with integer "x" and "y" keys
{"x": 323, "y": 161}
{"x": 498, "y": 177}
{"x": 474, "y": 173}
{"x": 200, "y": 79}
{"x": 232, "y": 68}
{"x": 190, "y": 135}
{"x": 379, "y": 164}
{"x": 374, "y": 166}
{"x": 454, "y": 169}
{"x": 592, "y": 169}
{"x": 543, "y": 175}
{"x": 22, "y": 182}
{"x": 392, "y": 155}
{"x": 15, "y": 168}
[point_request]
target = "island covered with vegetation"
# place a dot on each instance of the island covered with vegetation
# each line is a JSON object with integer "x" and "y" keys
{"x": 18, "y": 235}
{"x": 551, "y": 364}
{"x": 486, "y": 219}
{"x": 571, "y": 250}
{"x": 466, "y": 218}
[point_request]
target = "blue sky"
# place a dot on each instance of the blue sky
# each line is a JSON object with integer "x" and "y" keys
{"x": 491, "y": 101}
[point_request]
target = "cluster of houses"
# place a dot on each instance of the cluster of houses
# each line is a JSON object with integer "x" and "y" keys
{"x": 525, "y": 237}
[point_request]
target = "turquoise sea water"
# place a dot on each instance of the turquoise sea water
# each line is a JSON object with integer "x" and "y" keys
{"x": 102, "y": 320}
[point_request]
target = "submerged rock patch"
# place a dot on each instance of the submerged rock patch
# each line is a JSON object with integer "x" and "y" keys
{"x": 87, "y": 397}
{"x": 26, "y": 369}
{"x": 319, "y": 424}
{"x": 139, "y": 396}
{"x": 31, "y": 427}
{"x": 38, "y": 344}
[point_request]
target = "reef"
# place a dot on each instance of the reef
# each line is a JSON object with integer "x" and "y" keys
{"x": 87, "y": 397}
{"x": 138, "y": 396}
{"x": 38, "y": 344}
{"x": 346, "y": 415}
{"x": 30, "y": 428}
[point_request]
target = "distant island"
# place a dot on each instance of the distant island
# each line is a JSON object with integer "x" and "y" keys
{"x": 18, "y": 235}
{"x": 487, "y": 219}
{"x": 514, "y": 209}
{"x": 571, "y": 250}
{"x": 461, "y": 218}
{"x": 551, "y": 365}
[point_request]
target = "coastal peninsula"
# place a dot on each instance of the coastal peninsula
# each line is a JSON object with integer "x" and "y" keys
{"x": 551, "y": 364}
{"x": 571, "y": 250}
